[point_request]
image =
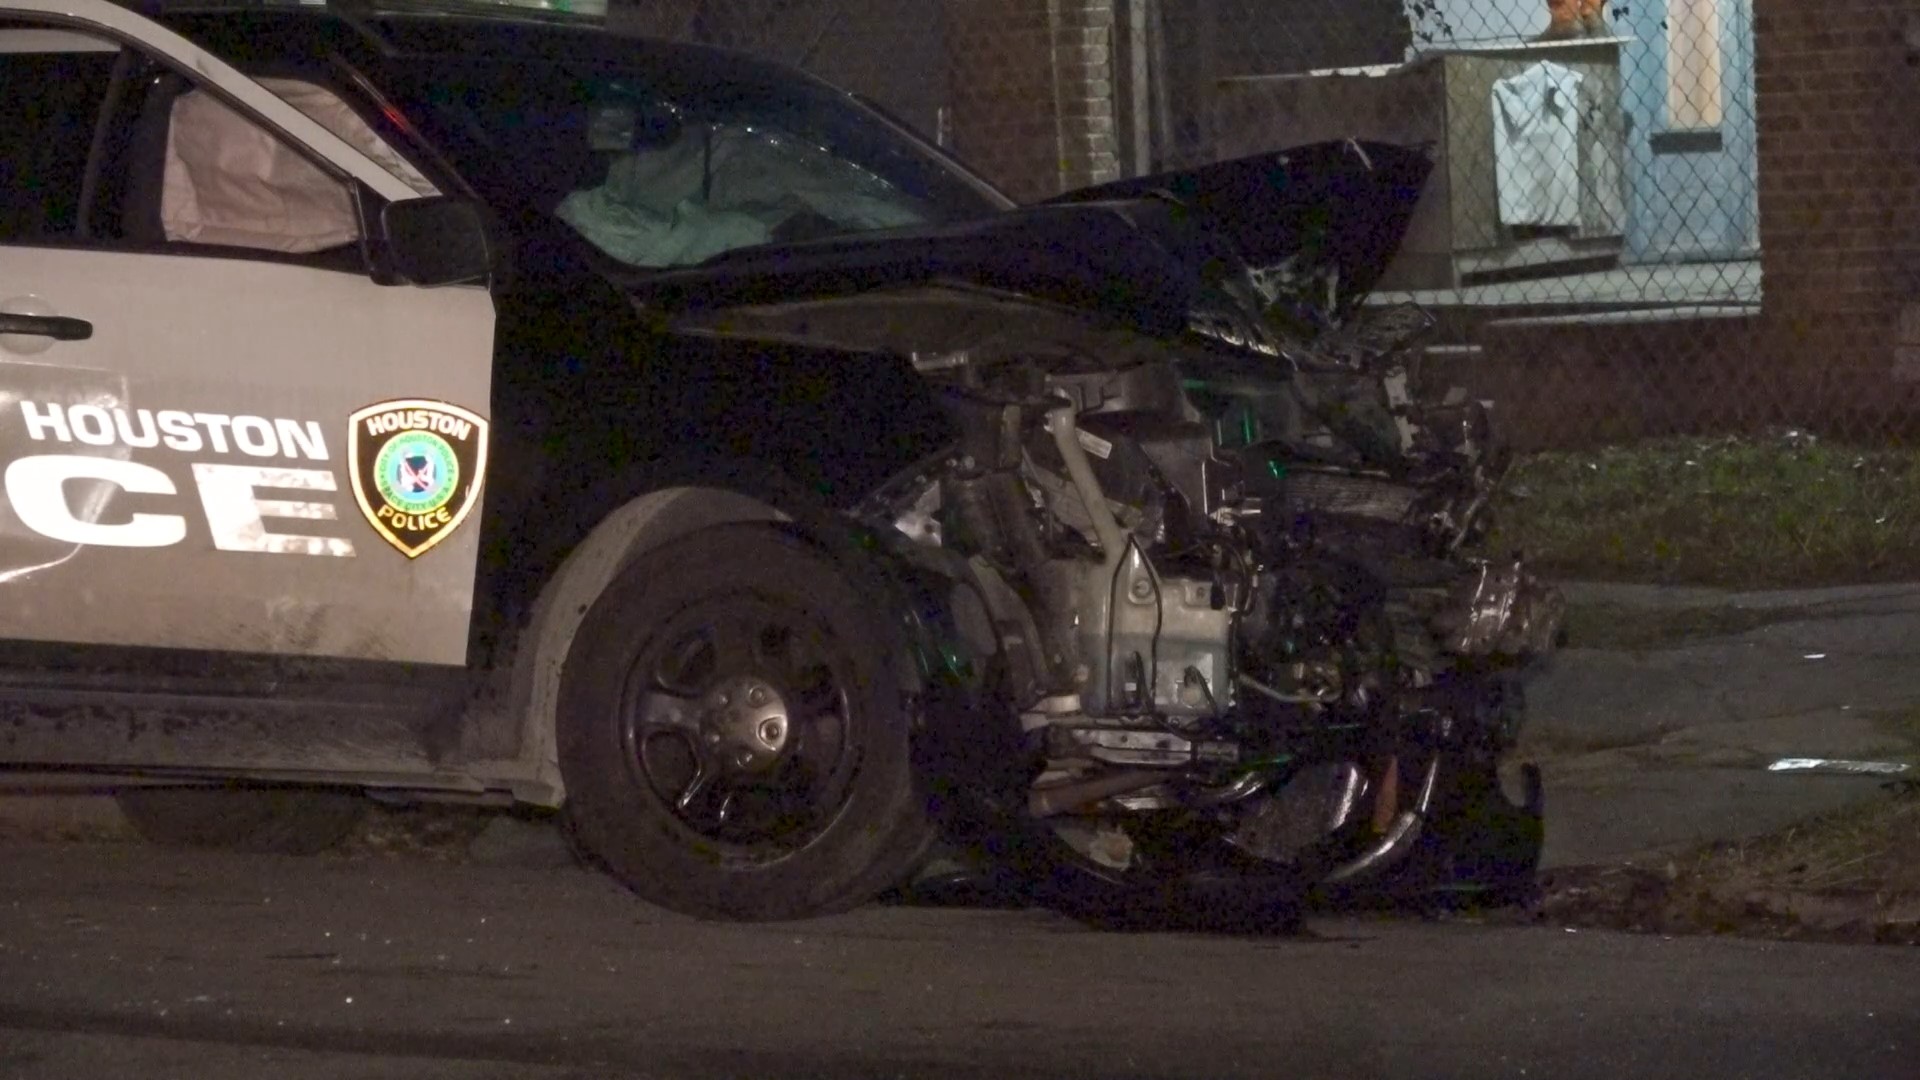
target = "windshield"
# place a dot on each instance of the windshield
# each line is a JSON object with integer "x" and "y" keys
{"x": 676, "y": 165}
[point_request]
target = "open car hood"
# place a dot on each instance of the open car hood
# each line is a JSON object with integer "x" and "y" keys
{"x": 1318, "y": 223}
{"x": 1315, "y": 219}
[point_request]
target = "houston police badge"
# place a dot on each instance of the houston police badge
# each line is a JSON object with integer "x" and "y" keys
{"x": 417, "y": 469}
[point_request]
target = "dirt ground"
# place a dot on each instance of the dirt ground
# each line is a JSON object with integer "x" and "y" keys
{"x": 1852, "y": 876}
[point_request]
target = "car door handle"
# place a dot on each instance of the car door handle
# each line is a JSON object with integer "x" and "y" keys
{"x": 47, "y": 326}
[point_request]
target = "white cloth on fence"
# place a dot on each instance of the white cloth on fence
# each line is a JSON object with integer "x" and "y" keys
{"x": 1536, "y": 146}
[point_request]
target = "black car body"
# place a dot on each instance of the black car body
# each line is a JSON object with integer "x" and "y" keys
{"x": 842, "y": 392}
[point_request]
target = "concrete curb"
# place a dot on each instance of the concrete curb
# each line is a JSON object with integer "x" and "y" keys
{"x": 56, "y": 814}
{"x": 1839, "y": 600}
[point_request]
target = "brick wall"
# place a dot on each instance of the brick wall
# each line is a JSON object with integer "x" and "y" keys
{"x": 1085, "y": 34}
{"x": 1032, "y": 89}
{"x": 1840, "y": 203}
{"x": 1038, "y": 86}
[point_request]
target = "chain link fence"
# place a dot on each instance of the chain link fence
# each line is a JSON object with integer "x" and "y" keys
{"x": 1591, "y": 240}
{"x": 1591, "y": 236}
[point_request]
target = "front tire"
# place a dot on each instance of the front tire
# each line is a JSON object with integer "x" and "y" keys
{"x": 733, "y": 734}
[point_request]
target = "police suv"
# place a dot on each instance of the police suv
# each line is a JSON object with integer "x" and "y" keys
{"x": 454, "y": 401}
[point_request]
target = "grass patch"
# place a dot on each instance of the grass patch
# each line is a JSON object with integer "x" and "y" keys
{"x": 1733, "y": 513}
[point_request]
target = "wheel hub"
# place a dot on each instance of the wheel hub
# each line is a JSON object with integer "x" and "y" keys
{"x": 737, "y": 720}
{"x": 746, "y": 724}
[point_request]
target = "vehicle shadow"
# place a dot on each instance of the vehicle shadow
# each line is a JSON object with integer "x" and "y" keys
{"x": 1497, "y": 883}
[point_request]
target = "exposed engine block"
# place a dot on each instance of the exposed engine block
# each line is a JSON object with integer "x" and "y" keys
{"x": 1162, "y": 604}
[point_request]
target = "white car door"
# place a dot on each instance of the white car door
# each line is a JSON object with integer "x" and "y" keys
{"x": 217, "y": 432}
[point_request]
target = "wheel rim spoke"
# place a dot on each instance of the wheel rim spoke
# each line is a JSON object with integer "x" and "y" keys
{"x": 703, "y": 779}
{"x": 736, "y": 643}
{"x": 721, "y": 673}
{"x": 660, "y": 712}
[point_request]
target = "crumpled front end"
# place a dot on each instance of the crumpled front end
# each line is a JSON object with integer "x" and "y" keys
{"x": 1225, "y": 571}
{"x": 1502, "y": 611}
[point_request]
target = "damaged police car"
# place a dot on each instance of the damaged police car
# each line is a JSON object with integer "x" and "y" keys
{"x": 433, "y": 403}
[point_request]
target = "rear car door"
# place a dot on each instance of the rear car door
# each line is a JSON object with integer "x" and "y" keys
{"x": 217, "y": 431}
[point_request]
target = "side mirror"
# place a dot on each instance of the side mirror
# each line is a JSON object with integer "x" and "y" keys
{"x": 434, "y": 241}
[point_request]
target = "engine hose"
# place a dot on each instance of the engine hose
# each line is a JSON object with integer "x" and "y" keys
{"x": 1066, "y": 437}
{"x": 977, "y": 519}
{"x": 1017, "y": 530}
{"x": 1058, "y": 799}
{"x": 1400, "y": 836}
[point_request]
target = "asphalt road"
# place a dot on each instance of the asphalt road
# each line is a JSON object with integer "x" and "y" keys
{"x": 126, "y": 961}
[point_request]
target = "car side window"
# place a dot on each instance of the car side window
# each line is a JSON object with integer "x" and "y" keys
{"x": 225, "y": 181}
{"x": 53, "y": 85}
{"x": 101, "y": 147}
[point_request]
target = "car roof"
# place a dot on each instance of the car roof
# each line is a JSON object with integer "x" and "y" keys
{"x": 489, "y": 29}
